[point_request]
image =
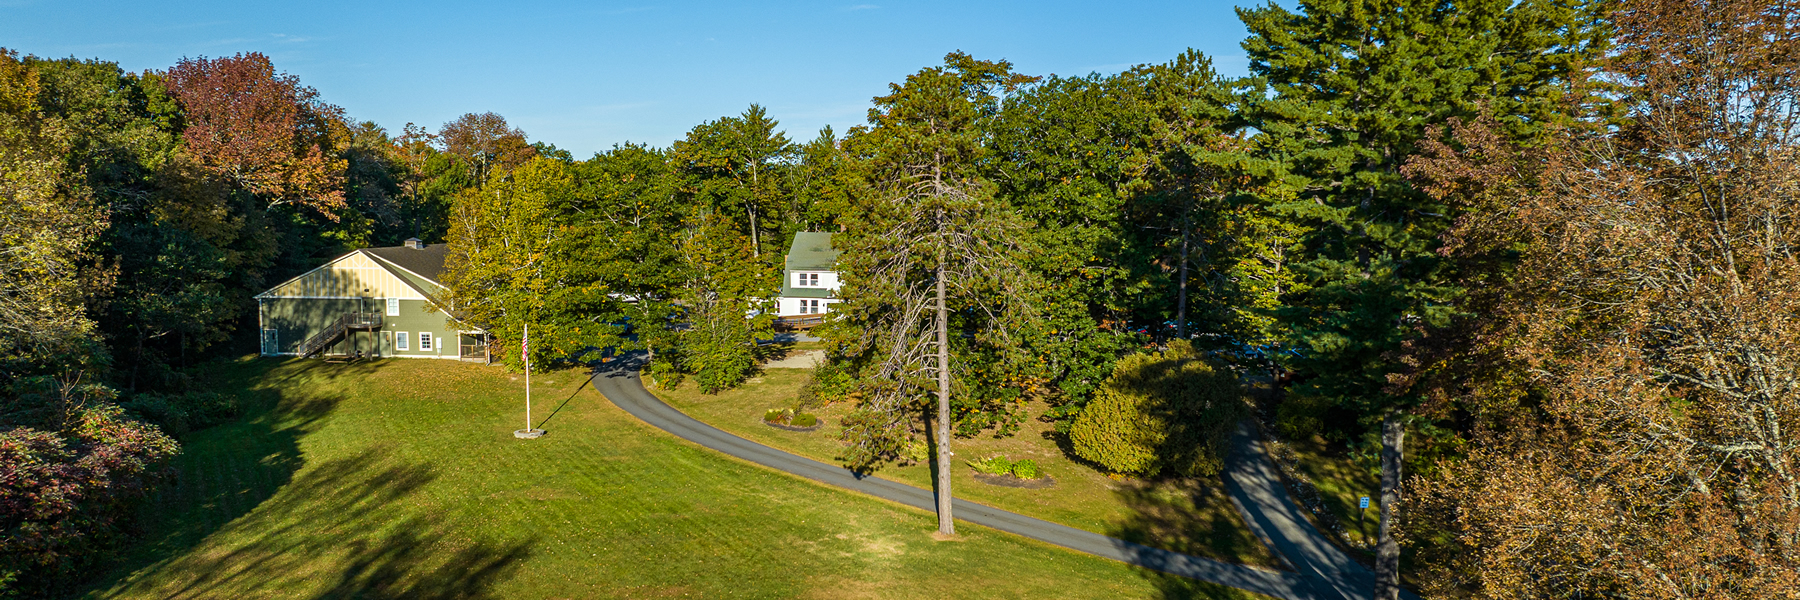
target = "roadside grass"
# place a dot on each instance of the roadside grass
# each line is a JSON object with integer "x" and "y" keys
{"x": 1342, "y": 482}
{"x": 1193, "y": 516}
{"x": 401, "y": 479}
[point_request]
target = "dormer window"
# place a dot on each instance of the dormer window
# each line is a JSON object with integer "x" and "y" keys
{"x": 806, "y": 280}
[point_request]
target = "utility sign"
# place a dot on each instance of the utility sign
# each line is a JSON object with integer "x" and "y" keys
{"x": 1365, "y": 502}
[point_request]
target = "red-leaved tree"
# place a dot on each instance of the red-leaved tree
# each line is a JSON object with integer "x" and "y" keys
{"x": 261, "y": 130}
{"x": 62, "y": 494}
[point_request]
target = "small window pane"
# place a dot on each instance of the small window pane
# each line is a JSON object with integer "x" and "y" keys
{"x": 393, "y": 306}
{"x": 424, "y": 341}
{"x": 400, "y": 341}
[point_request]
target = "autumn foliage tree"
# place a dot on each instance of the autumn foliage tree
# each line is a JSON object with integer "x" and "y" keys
{"x": 1656, "y": 315}
{"x": 261, "y": 130}
{"x": 486, "y": 143}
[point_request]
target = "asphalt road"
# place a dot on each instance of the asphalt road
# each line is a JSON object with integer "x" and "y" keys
{"x": 1322, "y": 572}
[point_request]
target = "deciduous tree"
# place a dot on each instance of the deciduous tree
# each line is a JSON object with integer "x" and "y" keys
{"x": 1656, "y": 313}
{"x": 261, "y": 130}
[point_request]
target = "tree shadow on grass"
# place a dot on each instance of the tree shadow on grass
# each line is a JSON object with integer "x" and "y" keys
{"x": 1192, "y": 516}
{"x": 338, "y": 520}
{"x": 346, "y": 521}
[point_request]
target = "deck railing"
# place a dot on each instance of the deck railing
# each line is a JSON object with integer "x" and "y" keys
{"x": 337, "y": 330}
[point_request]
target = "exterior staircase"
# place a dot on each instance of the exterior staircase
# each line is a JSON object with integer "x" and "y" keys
{"x": 338, "y": 330}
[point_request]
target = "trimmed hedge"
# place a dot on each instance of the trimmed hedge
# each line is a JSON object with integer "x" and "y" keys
{"x": 1164, "y": 412}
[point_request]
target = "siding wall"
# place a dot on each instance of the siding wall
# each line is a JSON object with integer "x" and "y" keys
{"x": 346, "y": 278}
{"x": 296, "y": 319}
{"x": 827, "y": 279}
{"x": 790, "y": 307}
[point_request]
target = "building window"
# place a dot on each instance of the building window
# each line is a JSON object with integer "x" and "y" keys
{"x": 393, "y": 306}
{"x": 424, "y": 341}
{"x": 810, "y": 307}
{"x": 806, "y": 280}
{"x": 400, "y": 341}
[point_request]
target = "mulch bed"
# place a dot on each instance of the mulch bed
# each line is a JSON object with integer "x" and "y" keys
{"x": 1010, "y": 481}
{"x": 815, "y": 427}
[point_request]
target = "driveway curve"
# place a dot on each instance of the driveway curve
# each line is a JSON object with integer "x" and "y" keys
{"x": 626, "y": 391}
{"x": 1323, "y": 573}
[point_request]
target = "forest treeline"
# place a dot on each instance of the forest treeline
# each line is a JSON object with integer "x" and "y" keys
{"x": 1533, "y": 261}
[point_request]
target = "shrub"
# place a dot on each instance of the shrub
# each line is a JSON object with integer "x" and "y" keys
{"x": 1169, "y": 411}
{"x": 63, "y": 495}
{"x": 918, "y": 452}
{"x": 1025, "y": 469}
{"x": 787, "y": 416}
{"x": 992, "y": 465}
{"x": 1300, "y": 417}
{"x": 178, "y": 414}
{"x": 777, "y": 415}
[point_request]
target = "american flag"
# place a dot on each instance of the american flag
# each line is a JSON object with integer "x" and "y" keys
{"x": 525, "y": 345}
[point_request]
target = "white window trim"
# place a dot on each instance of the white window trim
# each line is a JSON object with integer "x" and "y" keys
{"x": 393, "y": 307}
{"x": 807, "y": 280}
{"x": 400, "y": 342}
{"x": 425, "y": 341}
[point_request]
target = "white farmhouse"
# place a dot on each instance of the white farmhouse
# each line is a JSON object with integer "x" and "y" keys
{"x": 810, "y": 282}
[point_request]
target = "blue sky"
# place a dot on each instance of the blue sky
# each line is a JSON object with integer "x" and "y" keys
{"x": 586, "y": 76}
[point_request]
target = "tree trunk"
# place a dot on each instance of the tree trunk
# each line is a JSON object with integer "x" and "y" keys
{"x": 750, "y": 207}
{"x": 1181, "y": 298}
{"x": 1387, "y": 551}
{"x": 946, "y": 524}
{"x": 755, "y": 240}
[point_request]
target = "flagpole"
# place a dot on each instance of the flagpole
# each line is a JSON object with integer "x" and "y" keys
{"x": 525, "y": 356}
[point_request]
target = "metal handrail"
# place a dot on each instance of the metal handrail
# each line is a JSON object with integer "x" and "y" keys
{"x": 338, "y": 328}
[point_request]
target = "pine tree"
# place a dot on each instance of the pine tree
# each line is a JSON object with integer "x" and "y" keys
{"x": 1354, "y": 86}
{"x": 927, "y": 234}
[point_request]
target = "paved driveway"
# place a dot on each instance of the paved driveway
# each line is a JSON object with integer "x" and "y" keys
{"x": 1321, "y": 571}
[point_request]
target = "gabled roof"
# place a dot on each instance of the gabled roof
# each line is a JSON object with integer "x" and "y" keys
{"x": 404, "y": 271}
{"x": 811, "y": 251}
{"x": 417, "y": 269}
{"x": 426, "y": 262}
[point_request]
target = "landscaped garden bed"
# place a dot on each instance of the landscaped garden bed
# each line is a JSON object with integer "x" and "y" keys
{"x": 999, "y": 470}
{"x": 788, "y": 419}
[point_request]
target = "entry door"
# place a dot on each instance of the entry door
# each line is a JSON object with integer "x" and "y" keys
{"x": 271, "y": 342}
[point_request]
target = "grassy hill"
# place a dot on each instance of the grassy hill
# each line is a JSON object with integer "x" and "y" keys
{"x": 1191, "y": 515}
{"x": 400, "y": 479}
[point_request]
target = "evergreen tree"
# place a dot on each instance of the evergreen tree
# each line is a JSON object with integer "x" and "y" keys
{"x": 927, "y": 234}
{"x": 1353, "y": 86}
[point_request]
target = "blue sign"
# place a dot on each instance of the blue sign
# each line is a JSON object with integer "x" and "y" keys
{"x": 1365, "y": 502}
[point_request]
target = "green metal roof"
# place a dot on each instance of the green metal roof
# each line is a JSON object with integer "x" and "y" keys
{"x": 811, "y": 251}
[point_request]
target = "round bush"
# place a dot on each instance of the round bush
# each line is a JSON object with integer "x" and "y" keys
{"x": 1167, "y": 411}
{"x": 1025, "y": 469}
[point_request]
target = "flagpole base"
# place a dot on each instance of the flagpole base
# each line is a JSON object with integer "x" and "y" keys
{"x": 528, "y": 434}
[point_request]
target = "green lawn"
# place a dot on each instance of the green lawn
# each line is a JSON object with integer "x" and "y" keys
{"x": 1193, "y": 515}
{"x": 401, "y": 479}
